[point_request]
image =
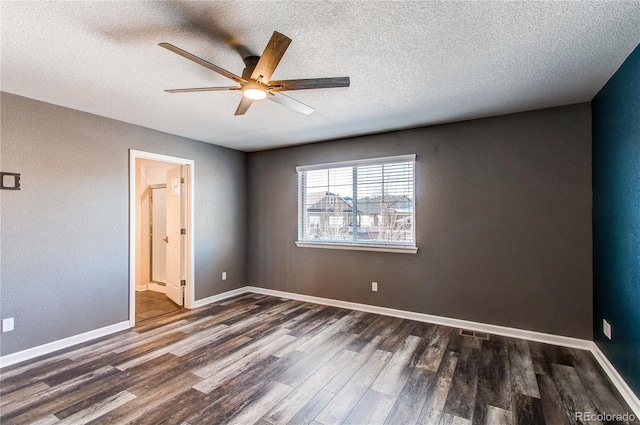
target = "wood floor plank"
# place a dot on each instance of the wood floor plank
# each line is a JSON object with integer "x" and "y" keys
{"x": 314, "y": 320}
{"x": 114, "y": 384}
{"x": 175, "y": 410}
{"x": 462, "y": 394}
{"x": 23, "y": 393}
{"x": 395, "y": 374}
{"x": 284, "y": 411}
{"x": 554, "y": 411}
{"x": 107, "y": 384}
{"x": 98, "y": 409}
{"x": 543, "y": 355}
{"x": 341, "y": 379}
{"x": 494, "y": 380}
{"x": 435, "y": 349}
{"x": 147, "y": 400}
{"x": 47, "y": 420}
{"x": 213, "y": 368}
{"x": 320, "y": 319}
{"x": 448, "y": 419}
{"x": 238, "y": 365}
{"x": 398, "y": 336}
{"x": 271, "y": 360}
{"x": 406, "y": 410}
{"x": 193, "y": 406}
{"x": 177, "y": 348}
{"x": 347, "y": 398}
{"x": 572, "y": 391}
{"x": 364, "y": 321}
{"x": 528, "y": 410}
{"x": 275, "y": 392}
{"x": 312, "y": 408}
{"x": 149, "y": 340}
{"x": 325, "y": 334}
{"x": 33, "y": 376}
{"x": 439, "y": 390}
{"x": 372, "y": 409}
{"x": 430, "y": 416}
{"x": 295, "y": 375}
{"x": 498, "y": 416}
{"x": 83, "y": 367}
{"x": 523, "y": 376}
{"x": 70, "y": 353}
{"x": 601, "y": 392}
{"x": 269, "y": 323}
{"x": 424, "y": 330}
{"x": 382, "y": 326}
{"x": 228, "y": 400}
{"x": 54, "y": 395}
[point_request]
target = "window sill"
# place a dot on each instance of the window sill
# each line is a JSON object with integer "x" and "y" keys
{"x": 358, "y": 247}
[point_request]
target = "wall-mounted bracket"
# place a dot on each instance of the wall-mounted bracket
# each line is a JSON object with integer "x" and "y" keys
{"x": 10, "y": 181}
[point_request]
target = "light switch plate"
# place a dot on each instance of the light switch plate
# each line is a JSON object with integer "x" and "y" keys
{"x": 7, "y": 324}
{"x": 606, "y": 328}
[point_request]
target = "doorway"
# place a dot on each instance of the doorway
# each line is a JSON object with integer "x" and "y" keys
{"x": 161, "y": 235}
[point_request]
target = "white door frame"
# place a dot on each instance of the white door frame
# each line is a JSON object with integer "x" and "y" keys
{"x": 189, "y": 298}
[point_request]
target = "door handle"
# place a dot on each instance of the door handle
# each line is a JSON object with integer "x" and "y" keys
{"x": 166, "y": 239}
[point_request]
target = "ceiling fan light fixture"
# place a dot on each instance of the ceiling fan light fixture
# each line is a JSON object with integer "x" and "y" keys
{"x": 254, "y": 91}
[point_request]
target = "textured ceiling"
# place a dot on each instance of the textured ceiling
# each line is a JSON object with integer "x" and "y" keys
{"x": 410, "y": 63}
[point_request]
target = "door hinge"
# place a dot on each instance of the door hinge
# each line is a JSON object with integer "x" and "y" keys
{"x": 182, "y": 180}
{"x": 183, "y": 283}
{"x": 183, "y": 231}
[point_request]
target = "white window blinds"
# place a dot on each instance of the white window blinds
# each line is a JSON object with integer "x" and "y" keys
{"x": 367, "y": 202}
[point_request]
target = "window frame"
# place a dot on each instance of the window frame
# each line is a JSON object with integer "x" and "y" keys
{"x": 361, "y": 245}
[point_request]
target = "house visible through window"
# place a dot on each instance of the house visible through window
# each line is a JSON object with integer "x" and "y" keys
{"x": 368, "y": 203}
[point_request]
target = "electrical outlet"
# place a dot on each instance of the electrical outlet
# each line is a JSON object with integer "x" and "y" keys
{"x": 7, "y": 324}
{"x": 224, "y": 275}
{"x": 606, "y": 328}
{"x": 374, "y": 286}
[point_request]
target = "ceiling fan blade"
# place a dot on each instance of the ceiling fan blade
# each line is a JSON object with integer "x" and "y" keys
{"x": 243, "y": 106}
{"x": 309, "y": 83}
{"x": 291, "y": 103}
{"x": 202, "y": 89}
{"x": 202, "y": 62}
{"x": 271, "y": 57}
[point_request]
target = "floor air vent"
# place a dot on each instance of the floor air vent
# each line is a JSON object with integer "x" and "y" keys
{"x": 474, "y": 334}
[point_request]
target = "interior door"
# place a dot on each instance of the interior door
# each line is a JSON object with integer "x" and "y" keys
{"x": 158, "y": 234}
{"x": 174, "y": 241}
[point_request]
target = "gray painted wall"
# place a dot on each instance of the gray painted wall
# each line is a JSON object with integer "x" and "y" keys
{"x": 503, "y": 216}
{"x": 65, "y": 235}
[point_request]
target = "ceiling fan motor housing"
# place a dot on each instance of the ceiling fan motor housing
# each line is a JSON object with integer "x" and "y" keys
{"x": 250, "y": 63}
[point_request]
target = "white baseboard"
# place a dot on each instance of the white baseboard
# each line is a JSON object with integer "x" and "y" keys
{"x": 40, "y": 350}
{"x": 627, "y": 393}
{"x": 141, "y": 287}
{"x": 156, "y": 288}
{"x": 220, "y": 297}
{"x": 564, "y": 341}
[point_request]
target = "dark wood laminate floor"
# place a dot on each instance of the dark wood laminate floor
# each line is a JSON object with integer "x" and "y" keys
{"x": 265, "y": 360}
{"x": 151, "y": 304}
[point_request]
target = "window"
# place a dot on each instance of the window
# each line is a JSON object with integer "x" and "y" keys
{"x": 366, "y": 204}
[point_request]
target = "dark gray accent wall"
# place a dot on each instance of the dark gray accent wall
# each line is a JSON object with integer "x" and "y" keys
{"x": 65, "y": 235}
{"x": 503, "y": 218}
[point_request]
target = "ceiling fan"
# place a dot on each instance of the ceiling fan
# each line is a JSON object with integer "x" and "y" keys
{"x": 256, "y": 83}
